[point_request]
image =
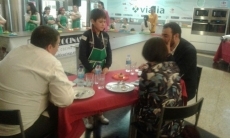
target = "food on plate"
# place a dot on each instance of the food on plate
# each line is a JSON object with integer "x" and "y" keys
{"x": 121, "y": 75}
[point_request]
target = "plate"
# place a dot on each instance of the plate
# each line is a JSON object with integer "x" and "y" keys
{"x": 83, "y": 92}
{"x": 119, "y": 87}
{"x": 117, "y": 77}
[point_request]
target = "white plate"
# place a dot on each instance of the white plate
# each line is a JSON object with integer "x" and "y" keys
{"x": 83, "y": 92}
{"x": 119, "y": 88}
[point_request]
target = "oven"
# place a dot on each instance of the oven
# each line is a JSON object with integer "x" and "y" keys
{"x": 219, "y": 13}
{"x": 200, "y": 25}
{"x": 217, "y": 26}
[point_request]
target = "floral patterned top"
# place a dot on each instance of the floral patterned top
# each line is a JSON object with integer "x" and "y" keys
{"x": 159, "y": 87}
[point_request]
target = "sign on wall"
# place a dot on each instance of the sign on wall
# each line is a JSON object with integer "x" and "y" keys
{"x": 67, "y": 45}
{"x": 165, "y": 9}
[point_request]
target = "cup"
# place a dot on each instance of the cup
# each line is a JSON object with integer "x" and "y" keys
{"x": 101, "y": 81}
{"x": 89, "y": 79}
{"x": 133, "y": 68}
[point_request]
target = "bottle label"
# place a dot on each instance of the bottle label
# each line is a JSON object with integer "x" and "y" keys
{"x": 80, "y": 75}
{"x": 128, "y": 62}
{"x": 97, "y": 71}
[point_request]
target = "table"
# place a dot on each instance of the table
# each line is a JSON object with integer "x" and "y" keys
{"x": 70, "y": 123}
{"x": 223, "y": 52}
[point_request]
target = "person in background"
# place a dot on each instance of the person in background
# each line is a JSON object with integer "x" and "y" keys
{"x": 125, "y": 26}
{"x": 184, "y": 54}
{"x": 153, "y": 19}
{"x": 62, "y": 19}
{"x": 94, "y": 47}
{"x": 49, "y": 19}
{"x": 102, "y": 7}
{"x": 76, "y": 17}
{"x": 146, "y": 25}
{"x": 159, "y": 86}
{"x": 2, "y": 22}
{"x": 32, "y": 17}
{"x": 112, "y": 23}
{"x": 34, "y": 82}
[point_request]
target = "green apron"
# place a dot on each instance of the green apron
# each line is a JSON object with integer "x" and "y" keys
{"x": 51, "y": 18}
{"x": 63, "y": 21}
{"x": 97, "y": 55}
{"x": 31, "y": 26}
{"x": 1, "y": 30}
{"x": 76, "y": 23}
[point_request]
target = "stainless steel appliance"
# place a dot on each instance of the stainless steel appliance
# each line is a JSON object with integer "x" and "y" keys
{"x": 209, "y": 21}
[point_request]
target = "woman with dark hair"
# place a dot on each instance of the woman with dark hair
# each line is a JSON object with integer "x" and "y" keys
{"x": 32, "y": 17}
{"x": 146, "y": 25}
{"x": 159, "y": 86}
{"x": 94, "y": 48}
{"x": 76, "y": 17}
{"x": 101, "y": 6}
{"x": 153, "y": 18}
{"x": 49, "y": 19}
{"x": 62, "y": 19}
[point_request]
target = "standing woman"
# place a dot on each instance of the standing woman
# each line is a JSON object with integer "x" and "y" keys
{"x": 49, "y": 19}
{"x": 2, "y": 22}
{"x": 76, "y": 17}
{"x": 62, "y": 19}
{"x": 101, "y": 6}
{"x": 153, "y": 19}
{"x": 146, "y": 25}
{"x": 32, "y": 17}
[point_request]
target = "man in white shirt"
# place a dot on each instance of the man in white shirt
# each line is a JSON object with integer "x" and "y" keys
{"x": 30, "y": 78}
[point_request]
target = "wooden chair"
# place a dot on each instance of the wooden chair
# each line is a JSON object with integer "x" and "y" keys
{"x": 171, "y": 113}
{"x": 199, "y": 71}
{"x": 12, "y": 117}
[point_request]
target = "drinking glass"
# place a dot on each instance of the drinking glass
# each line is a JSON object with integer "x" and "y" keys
{"x": 89, "y": 79}
{"x": 101, "y": 81}
{"x": 133, "y": 68}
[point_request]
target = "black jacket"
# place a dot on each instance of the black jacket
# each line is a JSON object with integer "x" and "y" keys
{"x": 186, "y": 58}
{"x": 85, "y": 48}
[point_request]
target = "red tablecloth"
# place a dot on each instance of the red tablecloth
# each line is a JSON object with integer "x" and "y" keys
{"x": 223, "y": 52}
{"x": 70, "y": 122}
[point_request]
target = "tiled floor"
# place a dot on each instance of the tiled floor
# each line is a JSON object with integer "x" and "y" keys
{"x": 214, "y": 87}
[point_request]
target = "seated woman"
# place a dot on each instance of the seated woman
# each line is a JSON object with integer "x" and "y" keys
{"x": 146, "y": 25}
{"x": 125, "y": 26}
{"x": 158, "y": 87}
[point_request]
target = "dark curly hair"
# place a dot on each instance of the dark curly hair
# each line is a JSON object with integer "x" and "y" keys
{"x": 155, "y": 50}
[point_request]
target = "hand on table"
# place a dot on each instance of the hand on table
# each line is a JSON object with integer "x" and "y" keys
{"x": 105, "y": 70}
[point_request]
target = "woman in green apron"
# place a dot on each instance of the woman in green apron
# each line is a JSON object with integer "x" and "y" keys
{"x": 76, "y": 17}
{"x": 95, "y": 48}
{"x": 49, "y": 19}
{"x": 62, "y": 19}
{"x": 32, "y": 17}
{"x": 2, "y": 22}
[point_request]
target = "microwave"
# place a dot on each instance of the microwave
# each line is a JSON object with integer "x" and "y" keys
{"x": 201, "y": 12}
{"x": 219, "y": 13}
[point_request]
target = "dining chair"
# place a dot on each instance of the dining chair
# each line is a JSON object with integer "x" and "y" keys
{"x": 171, "y": 113}
{"x": 199, "y": 71}
{"x": 12, "y": 117}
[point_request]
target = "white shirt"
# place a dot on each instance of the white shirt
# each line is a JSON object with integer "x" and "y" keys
{"x": 144, "y": 28}
{"x": 30, "y": 76}
{"x": 124, "y": 27}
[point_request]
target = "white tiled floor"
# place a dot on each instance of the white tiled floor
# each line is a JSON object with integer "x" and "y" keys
{"x": 214, "y": 87}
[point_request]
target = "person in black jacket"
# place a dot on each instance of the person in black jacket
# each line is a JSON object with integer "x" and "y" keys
{"x": 184, "y": 54}
{"x": 95, "y": 48}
